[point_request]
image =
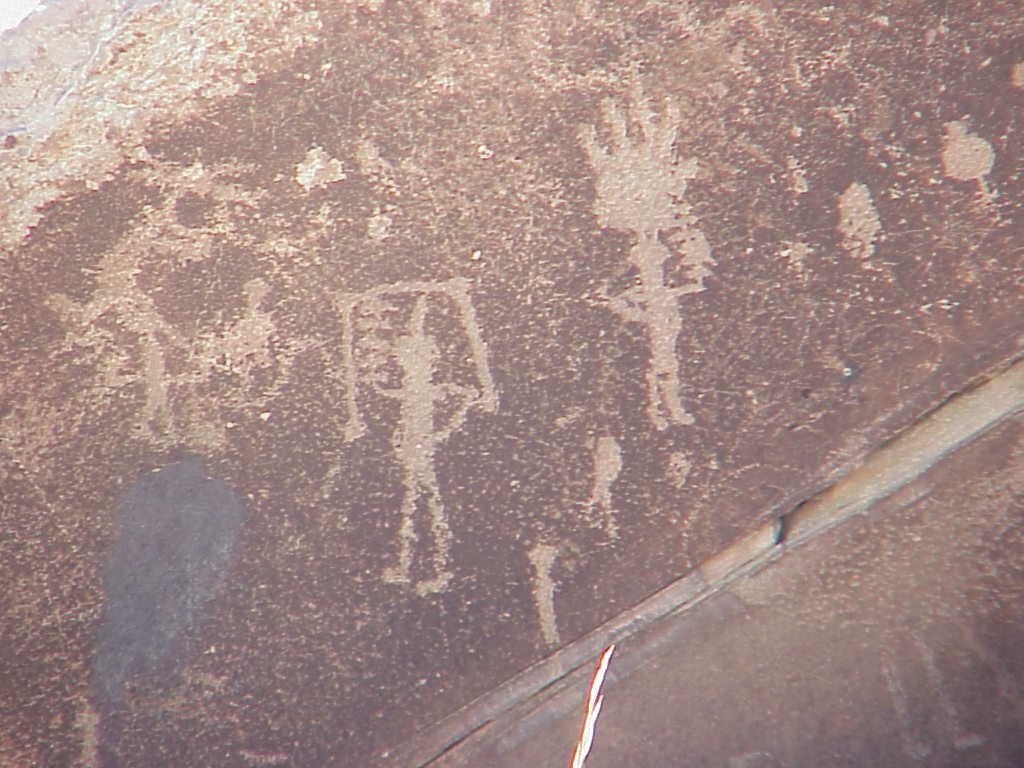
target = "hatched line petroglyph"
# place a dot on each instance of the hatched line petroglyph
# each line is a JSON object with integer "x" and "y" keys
{"x": 640, "y": 188}
{"x": 429, "y": 410}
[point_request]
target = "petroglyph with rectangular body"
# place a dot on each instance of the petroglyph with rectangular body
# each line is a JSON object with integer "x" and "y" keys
{"x": 388, "y": 350}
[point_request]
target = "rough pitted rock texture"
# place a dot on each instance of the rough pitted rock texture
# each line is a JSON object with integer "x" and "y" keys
{"x": 499, "y": 316}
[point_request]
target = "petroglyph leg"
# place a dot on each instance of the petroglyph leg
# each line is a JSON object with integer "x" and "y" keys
{"x": 961, "y": 738}
{"x": 663, "y": 404}
{"x": 401, "y": 573}
{"x": 441, "y": 535}
{"x": 542, "y": 558}
{"x": 913, "y": 747}
{"x": 354, "y": 426}
{"x": 407, "y": 540}
{"x": 458, "y": 290}
{"x": 607, "y": 465}
{"x": 87, "y": 721}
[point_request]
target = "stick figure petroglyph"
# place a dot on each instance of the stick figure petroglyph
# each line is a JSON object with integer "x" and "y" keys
{"x": 430, "y": 410}
{"x": 640, "y": 185}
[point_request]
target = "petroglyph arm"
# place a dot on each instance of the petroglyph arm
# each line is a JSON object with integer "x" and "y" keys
{"x": 459, "y": 292}
{"x": 355, "y": 427}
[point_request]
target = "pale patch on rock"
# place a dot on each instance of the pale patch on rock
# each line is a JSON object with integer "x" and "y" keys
{"x": 797, "y": 176}
{"x": 678, "y": 469}
{"x": 378, "y": 226}
{"x": 372, "y": 165}
{"x": 967, "y": 156}
{"x": 796, "y": 255}
{"x": 607, "y": 466}
{"x": 1017, "y": 75}
{"x": 858, "y": 220}
{"x": 542, "y": 558}
{"x": 318, "y": 169}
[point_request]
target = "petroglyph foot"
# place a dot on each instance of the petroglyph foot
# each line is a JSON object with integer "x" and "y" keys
{"x": 432, "y": 586}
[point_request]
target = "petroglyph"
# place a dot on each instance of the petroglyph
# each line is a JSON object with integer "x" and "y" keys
{"x": 318, "y": 169}
{"x": 797, "y": 175}
{"x": 1017, "y": 75}
{"x": 378, "y": 347}
{"x": 121, "y": 332}
{"x": 755, "y": 760}
{"x": 87, "y": 722}
{"x": 915, "y": 748}
{"x": 961, "y": 739}
{"x": 640, "y": 187}
{"x": 254, "y": 758}
{"x": 607, "y": 465}
{"x": 542, "y": 558}
{"x": 858, "y": 221}
{"x": 966, "y": 156}
{"x": 242, "y": 348}
{"x": 90, "y": 340}
{"x": 678, "y": 469}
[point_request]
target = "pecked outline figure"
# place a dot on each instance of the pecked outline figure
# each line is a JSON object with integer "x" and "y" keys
{"x": 417, "y": 436}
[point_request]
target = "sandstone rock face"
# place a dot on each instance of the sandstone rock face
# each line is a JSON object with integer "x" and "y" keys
{"x": 484, "y": 320}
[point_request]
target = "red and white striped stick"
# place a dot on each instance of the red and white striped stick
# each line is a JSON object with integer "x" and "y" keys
{"x": 593, "y": 709}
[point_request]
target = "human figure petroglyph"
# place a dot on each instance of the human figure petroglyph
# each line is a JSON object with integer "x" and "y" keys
{"x": 429, "y": 410}
{"x": 241, "y": 347}
{"x": 640, "y": 184}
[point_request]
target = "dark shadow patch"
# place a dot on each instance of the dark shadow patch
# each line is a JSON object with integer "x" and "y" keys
{"x": 178, "y": 530}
